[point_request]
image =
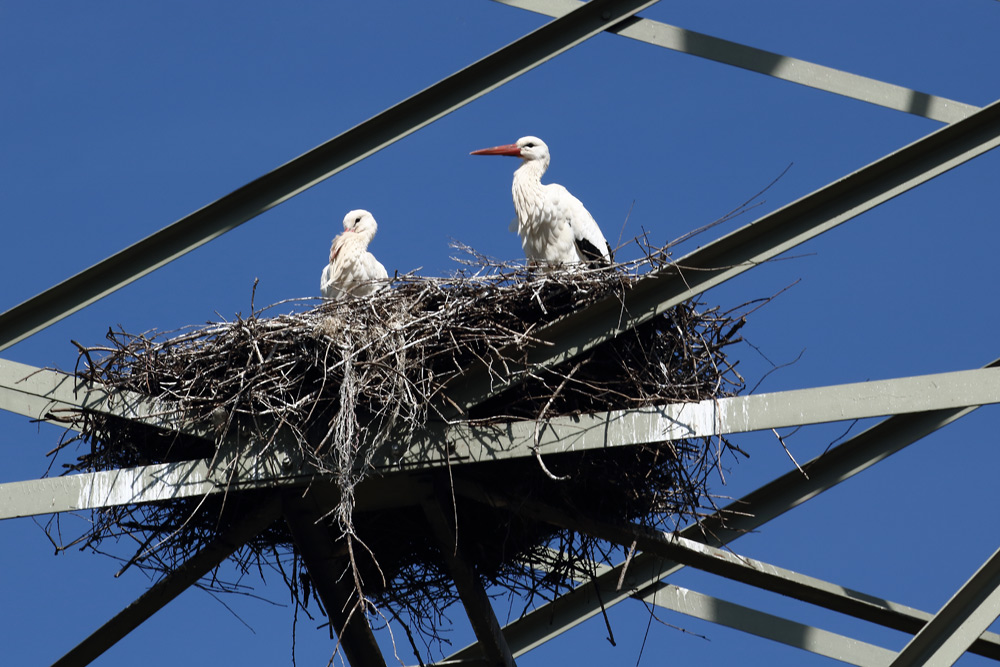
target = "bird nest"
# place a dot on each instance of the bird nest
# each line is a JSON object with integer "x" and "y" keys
{"x": 347, "y": 379}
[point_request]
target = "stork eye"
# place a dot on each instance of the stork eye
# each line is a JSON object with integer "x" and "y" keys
{"x": 357, "y": 220}
{"x": 529, "y": 145}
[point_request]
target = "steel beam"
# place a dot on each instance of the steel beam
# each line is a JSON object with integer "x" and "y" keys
{"x": 781, "y": 67}
{"x": 329, "y": 570}
{"x": 172, "y": 585}
{"x": 741, "y": 250}
{"x": 645, "y": 572}
{"x": 960, "y": 622}
{"x": 466, "y": 443}
{"x": 313, "y": 167}
{"x": 755, "y": 622}
{"x": 277, "y": 461}
{"x": 36, "y": 393}
{"x": 474, "y": 598}
{"x": 726, "y": 563}
{"x": 89, "y": 491}
{"x": 769, "y": 626}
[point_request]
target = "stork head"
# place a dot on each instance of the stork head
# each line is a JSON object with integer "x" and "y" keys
{"x": 526, "y": 148}
{"x": 360, "y": 220}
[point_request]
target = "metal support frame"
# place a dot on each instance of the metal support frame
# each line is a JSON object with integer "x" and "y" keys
{"x": 58, "y": 397}
{"x": 172, "y": 585}
{"x": 793, "y": 70}
{"x": 328, "y": 569}
{"x": 276, "y": 462}
{"x": 645, "y": 573}
{"x": 726, "y": 563}
{"x": 959, "y": 623}
{"x": 953, "y": 629}
{"x": 776, "y": 628}
{"x": 474, "y": 598}
{"x": 782, "y": 630}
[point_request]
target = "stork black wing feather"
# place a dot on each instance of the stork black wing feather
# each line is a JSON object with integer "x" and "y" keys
{"x": 590, "y": 253}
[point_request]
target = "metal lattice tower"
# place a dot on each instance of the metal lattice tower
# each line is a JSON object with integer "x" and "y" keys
{"x": 913, "y": 407}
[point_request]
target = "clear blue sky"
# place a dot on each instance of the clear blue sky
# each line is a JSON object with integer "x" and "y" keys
{"x": 116, "y": 119}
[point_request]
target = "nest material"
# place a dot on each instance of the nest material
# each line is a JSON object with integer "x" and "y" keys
{"x": 348, "y": 377}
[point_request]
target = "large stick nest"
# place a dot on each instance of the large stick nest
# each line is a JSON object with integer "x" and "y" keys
{"x": 349, "y": 377}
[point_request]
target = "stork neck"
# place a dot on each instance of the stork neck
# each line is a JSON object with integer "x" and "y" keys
{"x": 527, "y": 188}
{"x": 530, "y": 172}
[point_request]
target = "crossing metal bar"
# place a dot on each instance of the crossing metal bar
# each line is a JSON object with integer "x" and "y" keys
{"x": 960, "y": 622}
{"x": 814, "y": 640}
{"x": 752, "y": 621}
{"x": 713, "y": 417}
{"x": 313, "y": 167}
{"x": 793, "y": 70}
{"x": 327, "y": 569}
{"x": 759, "y": 623}
{"x": 765, "y": 575}
{"x": 277, "y": 461}
{"x": 474, "y": 598}
{"x": 172, "y": 585}
{"x": 645, "y": 572}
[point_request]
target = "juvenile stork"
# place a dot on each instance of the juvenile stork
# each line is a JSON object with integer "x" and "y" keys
{"x": 353, "y": 271}
{"x": 554, "y": 226}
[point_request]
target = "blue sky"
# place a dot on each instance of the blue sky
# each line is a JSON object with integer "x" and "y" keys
{"x": 117, "y": 119}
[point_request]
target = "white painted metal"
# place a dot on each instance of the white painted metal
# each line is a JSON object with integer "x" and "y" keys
{"x": 711, "y": 418}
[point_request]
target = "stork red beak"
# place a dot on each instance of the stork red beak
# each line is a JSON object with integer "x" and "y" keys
{"x": 509, "y": 149}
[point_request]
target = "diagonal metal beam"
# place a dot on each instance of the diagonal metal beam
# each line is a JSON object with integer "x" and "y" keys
{"x": 175, "y": 583}
{"x": 330, "y": 574}
{"x": 765, "y": 576}
{"x": 477, "y": 604}
{"x": 752, "y": 621}
{"x": 959, "y": 623}
{"x": 781, "y": 67}
{"x": 759, "y": 623}
{"x": 645, "y": 572}
{"x": 741, "y": 250}
{"x": 884, "y": 612}
{"x": 313, "y": 167}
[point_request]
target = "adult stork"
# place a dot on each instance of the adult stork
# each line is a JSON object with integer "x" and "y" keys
{"x": 353, "y": 271}
{"x": 554, "y": 226}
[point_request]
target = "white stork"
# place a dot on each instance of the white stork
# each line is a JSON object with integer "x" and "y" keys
{"x": 353, "y": 271}
{"x": 554, "y": 226}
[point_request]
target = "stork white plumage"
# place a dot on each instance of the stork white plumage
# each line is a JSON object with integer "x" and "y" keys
{"x": 554, "y": 226}
{"x": 353, "y": 271}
